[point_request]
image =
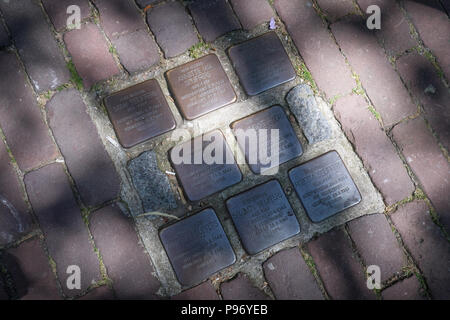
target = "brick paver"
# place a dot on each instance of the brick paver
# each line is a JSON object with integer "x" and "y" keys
{"x": 85, "y": 156}
{"x": 335, "y": 9}
{"x": 428, "y": 246}
{"x": 31, "y": 272}
{"x": 433, "y": 26}
{"x": 339, "y": 269}
{"x": 377, "y": 244}
{"x": 90, "y": 54}
{"x": 372, "y": 144}
{"x": 240, "y": 288}
{"x": 424, "y": 83}
{"x": 119, "y": 17}
{"x": 14, "y": 219}
{"x": 36, "y": 44}
{"x": 125, "y": 259}
{"x": 60, "y": 218}
{"x": 290, "y": 278}
{"x": 316, "y": 46}
{"x": 213, "y": 18}
{"x": 408, "y": 289}
{"x": 378, "y": 77}
{"x": 428, "y": 163}
{"x": 26, "y": 134}
{"x": 394, "y": 33}
{"x": 205, "y": 291}
{"x": 172, "y": 28}
{"x": 137, "y": 50}
{"x": 57, "y": 11}
{"x": 252, "y": 12}
{"x": 101, "y": 293}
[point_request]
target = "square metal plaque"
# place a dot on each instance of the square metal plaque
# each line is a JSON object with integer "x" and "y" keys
{"x": 261, "y": 63}
{"x": 200, "y": 86}
{"x": 260, "y": 125}
{"x": 139, "y": 113}
{"x": 263, "y": 216}
{"x": 197, "y": 247}
{"x": 324, "y": 186}
{"x": 205, "y": 165}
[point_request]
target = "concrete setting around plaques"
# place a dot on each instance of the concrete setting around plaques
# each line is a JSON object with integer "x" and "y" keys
{"x": 94, "y": 120}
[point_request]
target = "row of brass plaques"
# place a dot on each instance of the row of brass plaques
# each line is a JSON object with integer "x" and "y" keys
{"x": 141, "y": 112}
{"x": 198, "y": 247}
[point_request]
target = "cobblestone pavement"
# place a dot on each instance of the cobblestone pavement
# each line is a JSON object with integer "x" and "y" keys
{"x": 72, "y": 195}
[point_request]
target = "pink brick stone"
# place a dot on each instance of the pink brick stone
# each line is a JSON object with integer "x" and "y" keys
{"x": 90, "y": 54}
{"x": 335, "y": 9}
{"x": 20, "y": 118}
{"x": 252, "y": 12}
{"x": 101, "y": 293}
{"x": 240, "y": 288}
{"x": 422, "y": 80}
{"x": 427, "y": 244}
{"x": 374, "y": 147}
{"x": 14, "y": 218}
{"x": 338, "y": 267}
{"x": 84, "y": 153}
{"x": 377, "y": 244}
{"x": 316, "y": 46}
{"x": 378, "y": 77}
{"x": 125, "y": 259}
{"x": 65, "y": 232}
{"x": 290, "y": 278}
{"x": 205, "y": 291}
{"x": 428, "y": 163}
{"x": 408, "y": 289}
{"x": 433, "y": 26}
{"x": 31, "y": 272}
{"x": 394, "y": 33}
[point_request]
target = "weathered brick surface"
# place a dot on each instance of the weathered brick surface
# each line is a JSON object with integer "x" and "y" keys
{"x": 119, "y": 17}
{"x": 377, "y": 151}
{"x": 428, "y": 163}
{"x": 172, "y": 28}
{"x": 126, "y": 262}
{"x": 26, "y": 133}
{"x": 36, "y": 44}
{"x": 4, "y": 37}
{"x": 90, "y": 54}
{"x": 394, "y": 33}
{"x": 252, "y": 12}
{"x": 408, "y": 289}
{"x": 433, "y": 26}
{"x": 424, "y": 83}
{"x": 14, "y": 218}
{"x": 335, "y": 9}
{"x": 137, "y": 50}
{"x": 377, "y": 75}
{"x": 290, "y": 278}
{"x": 338, "y": 267}
{"x": 377, "y": 244}
{"x": 57, "y": 11}
{"x": 428, "y": 246}
{"x": 316, "y": 46}
{"x": 213, "y": 18}
{"x": 83, "y": 151}
{"x": 60, "y": 218}
{"x": 205, "y": 291}
{"x": 101, "y": 293}
{"x": 31, "y": 272}
{"x": 240, "y": 288}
